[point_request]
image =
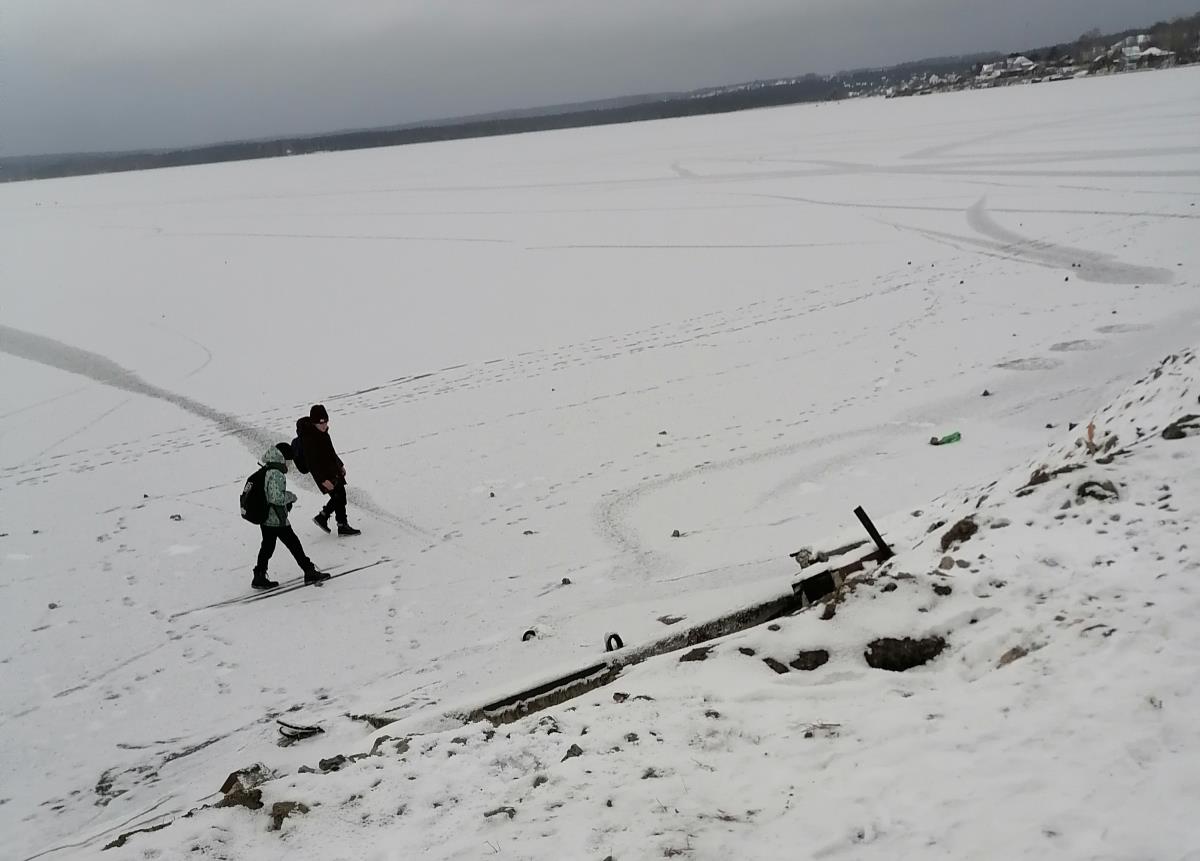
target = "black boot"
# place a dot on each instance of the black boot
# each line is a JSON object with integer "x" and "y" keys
{"x": 315, "y": 576}
{"x": 347, "y": 529}
{"x": 260, "y": 581}
{"x": 322, "y": 520}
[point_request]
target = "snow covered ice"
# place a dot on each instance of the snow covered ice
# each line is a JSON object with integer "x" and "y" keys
{"x": 545, "y": 354}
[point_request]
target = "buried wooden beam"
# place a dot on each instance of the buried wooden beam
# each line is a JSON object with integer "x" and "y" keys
{"x": 804, "y": 593}
{"x": 571, "y": 685}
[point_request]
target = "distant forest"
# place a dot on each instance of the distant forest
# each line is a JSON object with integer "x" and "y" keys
{"x": 808, "y": 89}
{"x": 1180, "y": 34}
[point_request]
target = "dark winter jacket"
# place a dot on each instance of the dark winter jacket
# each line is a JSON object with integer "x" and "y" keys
{"x": 322, "y": 461}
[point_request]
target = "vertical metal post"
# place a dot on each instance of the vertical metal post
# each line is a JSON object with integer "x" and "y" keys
{"x": 885, "y": 552}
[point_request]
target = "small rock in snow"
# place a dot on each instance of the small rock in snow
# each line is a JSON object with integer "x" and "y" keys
{"x": 777, "y": 666}
{"x": 898, "y": 655}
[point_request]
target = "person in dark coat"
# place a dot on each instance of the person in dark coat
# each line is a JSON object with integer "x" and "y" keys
{"x": 326, "y": 468}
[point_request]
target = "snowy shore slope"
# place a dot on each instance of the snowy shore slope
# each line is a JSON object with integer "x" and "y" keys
{"x": 1064, "y": 690}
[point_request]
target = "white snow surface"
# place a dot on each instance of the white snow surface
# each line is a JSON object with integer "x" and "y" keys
{"x": 542, "y": 354}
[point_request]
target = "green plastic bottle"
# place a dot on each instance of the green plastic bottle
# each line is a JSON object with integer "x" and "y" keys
{"x": 946, "y": 440}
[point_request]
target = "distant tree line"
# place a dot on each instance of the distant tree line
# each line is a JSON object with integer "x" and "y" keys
{"x": 808, "y": 89}
{"x": 1181, "y": 36}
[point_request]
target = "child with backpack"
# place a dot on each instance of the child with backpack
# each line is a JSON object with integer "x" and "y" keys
{"x": 265, "y": 501}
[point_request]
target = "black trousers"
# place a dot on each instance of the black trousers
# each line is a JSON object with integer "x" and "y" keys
{"x": 337, "y": 502}
{"x": 271, "y": 534}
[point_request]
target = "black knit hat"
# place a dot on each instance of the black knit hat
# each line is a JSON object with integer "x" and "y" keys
{"x": 318, "y": 413}
{"x": 285, "y": 449}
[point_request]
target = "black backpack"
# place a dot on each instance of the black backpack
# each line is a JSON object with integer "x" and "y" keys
{"x": 298, "y": 456}
{"x": 254, "y": 497}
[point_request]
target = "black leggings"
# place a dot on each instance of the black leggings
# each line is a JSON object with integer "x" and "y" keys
{"x": 337, "y": 502}
{"x": 271, "y": 534}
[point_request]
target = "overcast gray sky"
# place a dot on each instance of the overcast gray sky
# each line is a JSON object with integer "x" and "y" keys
{"x": 81, "y": 75}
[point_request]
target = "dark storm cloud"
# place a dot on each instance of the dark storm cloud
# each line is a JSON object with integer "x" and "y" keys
{"x": 81, "y": 75}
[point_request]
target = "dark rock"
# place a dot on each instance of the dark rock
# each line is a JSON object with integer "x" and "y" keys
{"x": 809, "y": 660}
{"x": 401, "y": 745}
{"x": 539, "y": 780}
{"x": 935, "y": 526}
{"x": 775, "y": 665}
{"x": 1178, "y": 429}
{"x": 697, "y": 654}
{"x": 676, "y": 534}
{"x": 239, "y": 787}
{"x": 946, "y": 564}
{"x": 631, "y": 737}
{"x": 505, "y": 809}
{"x": 177, "y": 517}
{"x": 528, "y": 532}
{"x": 573, "y": 751}
{"x": 251, "y": 799}
{"x": 651, "y": 772}
{"x": 898, "y": 655}
{"x": 889, "y": 587}
{"x": 620, "y": 697}
{"x": 959, "y": 533}
{"x": 942, "y": 590}
{"x": 531, "y": 634}
{"x": 332, "y": 764}
{"x": 281, "y": 810}
{"x": 772, "y": 627}
{"x": 747, "y": 651}
{"x": 1104, "y": 491}
{"x": 712, "y": 713}
{"x": 1011, "y": 655}
{"x": 986, "y": 394}
{"x": 566, "y": 581}
{"x": 52, "y": 606}
{"x": 671, "y": 620}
